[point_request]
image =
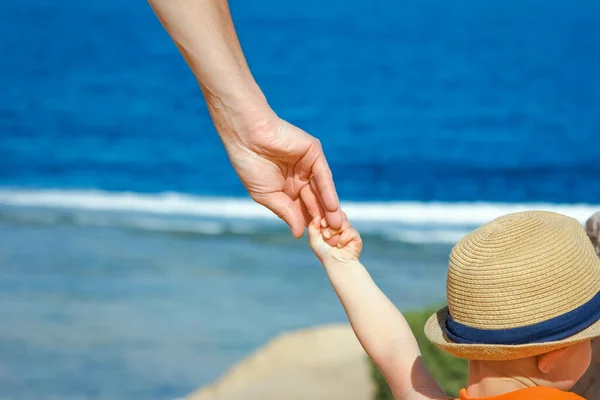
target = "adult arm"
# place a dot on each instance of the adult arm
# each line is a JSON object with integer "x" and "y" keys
{"x": 275, "y": 160}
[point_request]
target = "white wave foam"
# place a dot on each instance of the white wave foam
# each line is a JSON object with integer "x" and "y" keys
{"x": 163, "y": 203}
{"x": 462, "y": 214}
{"x": 422, "y": 236}
{"x": 468, "y": 214}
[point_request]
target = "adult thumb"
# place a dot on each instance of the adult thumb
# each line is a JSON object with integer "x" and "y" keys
{"x": 285, "y": 208}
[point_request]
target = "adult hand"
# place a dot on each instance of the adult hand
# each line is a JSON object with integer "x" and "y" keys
{"x": 284, "y": 169}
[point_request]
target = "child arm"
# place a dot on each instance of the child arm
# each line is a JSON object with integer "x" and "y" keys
{"x": 381, "y": 329}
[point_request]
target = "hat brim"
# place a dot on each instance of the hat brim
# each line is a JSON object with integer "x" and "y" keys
{"x": 434, "y": 330}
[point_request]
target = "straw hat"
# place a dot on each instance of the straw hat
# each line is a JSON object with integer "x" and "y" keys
{"x": 522, "y": 285}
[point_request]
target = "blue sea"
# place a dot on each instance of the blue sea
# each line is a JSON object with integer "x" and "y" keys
{"x": 134, "y": 265}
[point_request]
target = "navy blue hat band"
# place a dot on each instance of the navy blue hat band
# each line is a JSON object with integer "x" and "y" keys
{"x": 554, "y": 329}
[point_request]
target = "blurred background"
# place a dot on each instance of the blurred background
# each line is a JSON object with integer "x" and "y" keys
{"x": 132, "y": 262}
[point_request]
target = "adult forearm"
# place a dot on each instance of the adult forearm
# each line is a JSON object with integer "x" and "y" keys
{"x": 204, "y": 34}
{"x": 273, "y": 159}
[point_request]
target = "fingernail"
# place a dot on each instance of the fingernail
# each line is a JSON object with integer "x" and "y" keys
{"x": 324, "y": 223}
{"x": 327, "y": 234}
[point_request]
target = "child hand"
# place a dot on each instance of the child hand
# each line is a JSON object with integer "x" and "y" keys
{"x": 349, "y": 243}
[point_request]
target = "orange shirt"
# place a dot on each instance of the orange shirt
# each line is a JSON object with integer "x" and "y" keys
{"x": 532, "y": 393}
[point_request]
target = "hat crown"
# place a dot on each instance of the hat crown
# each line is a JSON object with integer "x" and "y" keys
{"x": 521, "y": 269}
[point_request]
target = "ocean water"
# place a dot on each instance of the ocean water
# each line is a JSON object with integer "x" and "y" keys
{"x": 133, "y": 264}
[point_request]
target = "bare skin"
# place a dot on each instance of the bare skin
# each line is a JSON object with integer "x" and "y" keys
{"x": 282, "y": 167}
{"x": 388, "y": 340}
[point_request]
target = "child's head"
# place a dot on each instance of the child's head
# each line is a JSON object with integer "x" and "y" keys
{"x": 523, "y": 299}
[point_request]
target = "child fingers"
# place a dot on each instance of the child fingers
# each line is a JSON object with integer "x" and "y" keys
{"x": 347, "y": 236}
{"x": 306, "y": 213}
{"x": 328, "y": 233}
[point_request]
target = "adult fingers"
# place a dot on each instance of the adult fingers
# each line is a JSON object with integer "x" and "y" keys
{"x": 324, "y": 221}
{"x": 286, "y": 209}
{"x": 326, "y": 191}
{"x": 311, "y": 202}
{"x": 307, "y": 217}
{"x": 328, "y": 215}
